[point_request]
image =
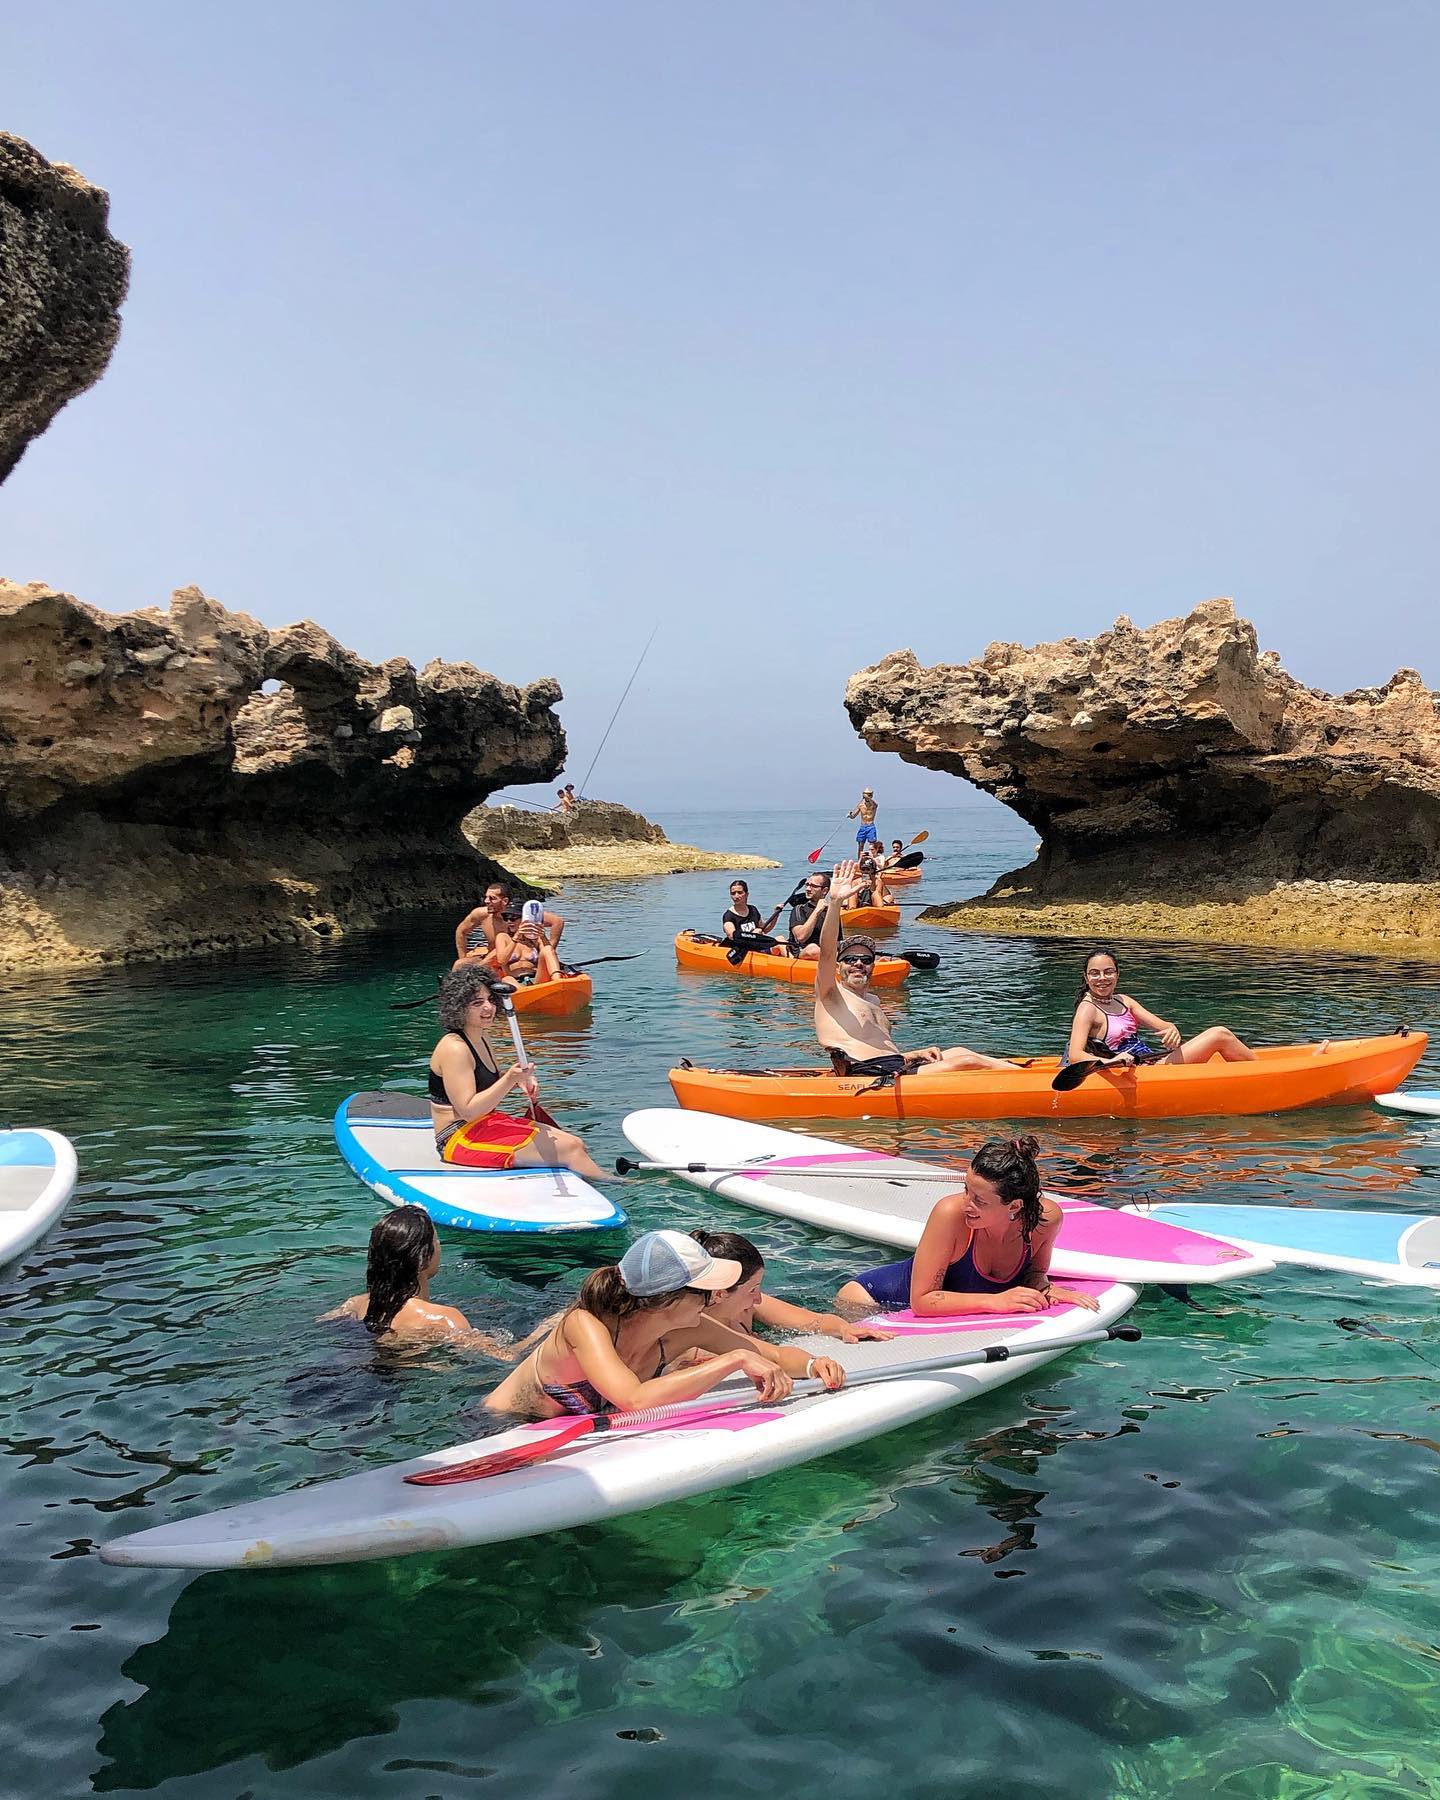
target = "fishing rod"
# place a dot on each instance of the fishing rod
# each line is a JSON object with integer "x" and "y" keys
{"x": 616, "y": 714}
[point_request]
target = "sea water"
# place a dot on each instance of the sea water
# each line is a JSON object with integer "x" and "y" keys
{"x": 1201, "y": 1565}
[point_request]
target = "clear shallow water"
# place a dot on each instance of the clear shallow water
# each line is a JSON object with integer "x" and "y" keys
{"x": 1202, "y": 1565}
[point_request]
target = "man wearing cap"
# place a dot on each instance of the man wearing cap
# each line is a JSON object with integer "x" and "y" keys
{"x": 614, "y": 1349}
{"x": 865, "y": 832}
{"x": 849, "y": 1021}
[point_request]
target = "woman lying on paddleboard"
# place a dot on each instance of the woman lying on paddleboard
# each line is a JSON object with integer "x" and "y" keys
{"x": 402, "y": 1261}
{"x": 638, "y": 1317}
{"x": 466, "y": 1087}
{"x": 984, "y": 1250}
{"x": 1106, "y": 1027}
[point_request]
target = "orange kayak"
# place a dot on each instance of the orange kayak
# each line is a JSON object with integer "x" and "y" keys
{"x": 693, "y": 952}
{"x": 553, "y": 998}
{"x": 1349, "y": 1072}
{"x": 869, "y": 918}
{"x": 898, "y": 877}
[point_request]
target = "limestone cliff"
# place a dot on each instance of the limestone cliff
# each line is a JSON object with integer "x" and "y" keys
{"x": 1184, "y": 784}
{"x": 599, "y": 840}
{"x": 175, "y": 783}
{"x": 62, "y": 279}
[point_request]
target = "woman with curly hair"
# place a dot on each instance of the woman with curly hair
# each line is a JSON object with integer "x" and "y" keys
{"x": 467, "y": 1087}
{"x": 984, "y": 1250}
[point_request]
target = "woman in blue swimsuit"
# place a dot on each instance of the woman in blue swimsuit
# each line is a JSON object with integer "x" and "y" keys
{"x": 983, "y": 1250}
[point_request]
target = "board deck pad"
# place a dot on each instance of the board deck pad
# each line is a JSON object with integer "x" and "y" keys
{"x": 388, "y": 1141}
{"x": 887, "y": 1199}
{"x": 37, "y": 1178}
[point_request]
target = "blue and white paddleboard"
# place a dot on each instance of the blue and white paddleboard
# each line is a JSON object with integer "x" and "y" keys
{"x": 388, "y": 1140}
{"x": 37, "y": 1178}
{"x": 1389, "y": 1246}
{"x": 1425, "y": 1101}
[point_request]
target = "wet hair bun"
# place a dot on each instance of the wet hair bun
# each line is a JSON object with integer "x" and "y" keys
{"x": 1028, "y": 1146}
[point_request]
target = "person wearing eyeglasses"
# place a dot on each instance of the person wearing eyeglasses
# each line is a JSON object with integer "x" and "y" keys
{"x": 849, "y": 1021}
{"x": 807, "y": 915}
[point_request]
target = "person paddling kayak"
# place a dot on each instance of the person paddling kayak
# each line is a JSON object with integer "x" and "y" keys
{"x": 807, "y": 915}
{"x": 742, "y": 919}
{"x": 633, "y": 1320}
{"x": 849, "y": 1021}
{"x": 466, "y": 1088}
{"x": 1106, "y": 1026}
{"x": 402, "y": 1260}
{"x": 985, "y": 1249}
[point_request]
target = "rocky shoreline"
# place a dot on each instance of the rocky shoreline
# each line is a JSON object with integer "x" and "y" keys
{"x": 598, "y": 841}
{"x": 1184, "y": 787}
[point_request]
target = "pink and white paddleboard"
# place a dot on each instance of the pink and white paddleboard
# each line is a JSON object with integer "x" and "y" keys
{"x": 887, "y": 1199}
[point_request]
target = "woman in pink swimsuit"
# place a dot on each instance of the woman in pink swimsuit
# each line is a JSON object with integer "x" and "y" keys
{"x": 1107, "y": 1025}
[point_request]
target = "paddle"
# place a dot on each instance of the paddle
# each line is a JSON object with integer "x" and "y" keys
{"x": 537, "y": 1111}
{"x": 627, "y": 1165}
{"x": 501, "y": 1462}
{"x": 1074, "y": 1073}
{"x": 815, "y": 855}
{"x": 1366, "y": 1329}
{"x": 569, "y": 969}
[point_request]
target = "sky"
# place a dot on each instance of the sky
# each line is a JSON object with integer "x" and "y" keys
{"x": 507, "y": 332}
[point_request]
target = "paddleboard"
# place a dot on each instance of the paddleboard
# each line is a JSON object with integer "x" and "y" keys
{"x": 1391, "y": 1246}
{"x": 887, "y": 1199}
{"x": 388, "y": 1140}
{"x": 377, "y": 1513}
{"x": 1424, "y": 1101}
{"x": 37, "y": 1178}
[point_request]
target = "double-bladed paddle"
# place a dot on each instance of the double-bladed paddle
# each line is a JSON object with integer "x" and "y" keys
{"x": 501, "y": 1462}
{"x": 1074, "y": 1073}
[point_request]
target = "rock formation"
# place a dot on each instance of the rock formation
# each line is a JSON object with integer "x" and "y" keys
{"x": 182, "y": 782}
{"x": 1180, "y": 777}
{"x": 62, "y": 279}
{"x": 599, "y": 839}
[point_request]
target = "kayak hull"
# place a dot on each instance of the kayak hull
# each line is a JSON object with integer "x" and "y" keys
{"x": 389, "y": 1142}
{"x": 869, "y": 918}
{"x": 798, "y": 971}
{"x": 1384, "y": 1246}
{"x": 887, "y": 1199}
{"x": 1348, "y": 1072}
{"x": 554, "y": 999}
{"x": 902, "y": 877}
{"x": 37, "y": 1177}
{"x": 378, "y": 1514}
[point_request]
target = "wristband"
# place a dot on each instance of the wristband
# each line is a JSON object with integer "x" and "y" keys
{"x": 809, "y": 1368}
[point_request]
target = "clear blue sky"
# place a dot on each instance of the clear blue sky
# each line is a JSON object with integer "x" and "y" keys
{"x": 501, "y": 331}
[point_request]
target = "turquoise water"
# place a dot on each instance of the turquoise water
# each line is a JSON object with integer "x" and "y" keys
{"x": 1202, "y": 1565}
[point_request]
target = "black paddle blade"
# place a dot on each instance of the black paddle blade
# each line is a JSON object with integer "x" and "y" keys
{"x": 1072, "y": 1075}
{"x": 921, "y": 959}
{"x": 912, "y": 859}
{"x": 410, "y": 1005}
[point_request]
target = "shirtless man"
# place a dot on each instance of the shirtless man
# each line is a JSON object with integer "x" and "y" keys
{"x": 897, "y": 850}
{"x": 477, "y": 933}
{"x": 849, "y": 1021}
{"x": 865, "y": 832}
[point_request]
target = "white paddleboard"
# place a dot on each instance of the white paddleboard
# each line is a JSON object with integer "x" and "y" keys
{"x": 1423, "y": 1101}
{"x": 388, "y": 1140}
{"x": 1390, "y": 1246}
{"x": 37, "y": 1178}
{"x": 378, "y": 1513}
{"x": 887, "y": 1199}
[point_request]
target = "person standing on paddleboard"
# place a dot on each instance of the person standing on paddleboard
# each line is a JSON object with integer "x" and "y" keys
{"x": 1106, "y": 1026}
{"x": 865, "y": 832}
{"x": 983, "y": 1250}
{"x": 849, "y": 1021}
{"x": 608, "y": 1351}
{"x": 466, "y": 1087}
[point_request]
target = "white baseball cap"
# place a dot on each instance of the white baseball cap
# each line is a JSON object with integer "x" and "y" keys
{"x": 664, "y": 1262}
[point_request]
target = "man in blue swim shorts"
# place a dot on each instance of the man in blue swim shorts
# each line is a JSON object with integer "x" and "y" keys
{"x": 865, "y": 832}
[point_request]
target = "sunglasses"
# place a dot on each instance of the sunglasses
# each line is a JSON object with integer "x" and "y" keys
{"x": 866, "y": 961}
